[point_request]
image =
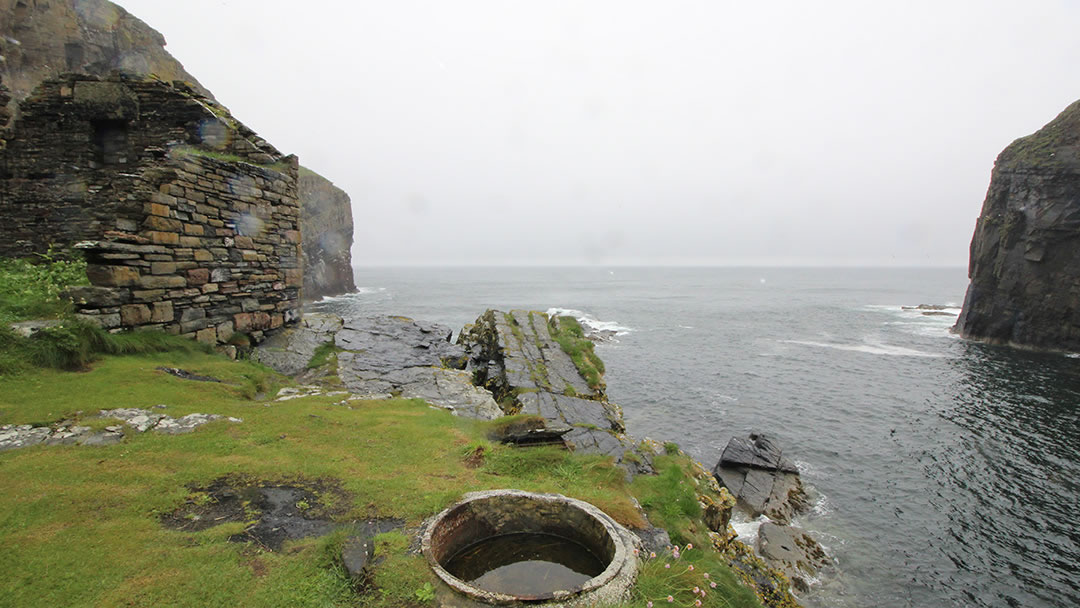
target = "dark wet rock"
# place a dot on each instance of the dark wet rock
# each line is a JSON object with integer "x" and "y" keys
{"x": 756, "y": 473}
{"x": 358, "y": 556}
{"x": 1025, "y": 254}
{"x": 758, "y": 451}
{"x": 285, "y": 511}
{"x": 930, "y": 307}
{"x": 532, "y": 430}
{"x": 283, "y": 516}
{"x": 186, "y": 375}
{"x": 653, "y": 540}
{"x": 387, "y": 344}
{"x": 792, "y": 551}
{"x": 937, "y": 313}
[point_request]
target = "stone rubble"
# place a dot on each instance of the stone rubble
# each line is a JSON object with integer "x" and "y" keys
{"x": 14, "y": 436}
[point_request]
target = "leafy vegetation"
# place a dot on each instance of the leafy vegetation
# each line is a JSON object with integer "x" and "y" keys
{"x": 30, "y": 288}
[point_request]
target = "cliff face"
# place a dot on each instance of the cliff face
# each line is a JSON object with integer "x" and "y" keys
{"x": 327, "y": 225}
{"x": 1025, "y": 255}
{"x": 40, "y": 39}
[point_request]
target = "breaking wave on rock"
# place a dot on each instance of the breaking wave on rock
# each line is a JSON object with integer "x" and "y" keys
{"x": 594, "y": 328}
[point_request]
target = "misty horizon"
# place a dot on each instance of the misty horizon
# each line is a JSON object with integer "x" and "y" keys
{"x": 627, "y": 133}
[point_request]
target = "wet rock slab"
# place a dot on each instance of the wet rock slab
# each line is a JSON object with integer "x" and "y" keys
{"x": 385, "y": 356}
{"x": 755, "y": 471}
{"x": 791, "y": 550}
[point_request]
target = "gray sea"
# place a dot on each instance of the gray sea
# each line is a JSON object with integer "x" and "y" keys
{"x": 945, "y": 473}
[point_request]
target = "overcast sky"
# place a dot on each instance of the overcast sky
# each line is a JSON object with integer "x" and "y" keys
{"x": 618, "y": 132}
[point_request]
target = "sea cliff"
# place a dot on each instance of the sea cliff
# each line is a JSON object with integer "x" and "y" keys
{"x": 1025, "y": 254}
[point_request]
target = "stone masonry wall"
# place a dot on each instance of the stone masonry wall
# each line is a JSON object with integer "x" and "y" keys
{"x": 189, "y": 221}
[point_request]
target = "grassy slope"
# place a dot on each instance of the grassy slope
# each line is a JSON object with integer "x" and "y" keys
{"x": 79, "y": 526}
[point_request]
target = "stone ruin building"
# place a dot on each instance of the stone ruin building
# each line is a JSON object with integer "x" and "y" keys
{"x": 189, "y": 221}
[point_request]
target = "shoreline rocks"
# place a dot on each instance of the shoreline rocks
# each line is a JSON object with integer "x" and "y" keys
{"x": 765, "y": 482}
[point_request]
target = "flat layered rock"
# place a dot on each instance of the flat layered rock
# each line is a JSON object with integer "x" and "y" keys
{"x": 516, "y": 356}
{"x": 387, "y": 344}
{"x": 756, "y": 473}
{"x": 290, "y": 350}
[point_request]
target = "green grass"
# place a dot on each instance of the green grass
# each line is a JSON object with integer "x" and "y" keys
{"x": 324, "y": 353}
{"x": 80, "y": 523}
{"x": 571, "y": 337}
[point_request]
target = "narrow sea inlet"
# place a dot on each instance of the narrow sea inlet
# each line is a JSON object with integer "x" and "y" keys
{"x": 944, "y": 472}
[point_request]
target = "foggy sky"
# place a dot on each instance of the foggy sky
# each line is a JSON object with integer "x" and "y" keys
{"x": 627, "y": 132}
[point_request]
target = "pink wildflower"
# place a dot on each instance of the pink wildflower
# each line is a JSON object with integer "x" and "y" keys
{"x": 652, "y": 553}
{"x": 697, "y": 602}
{"x": 667, "y": 565}
{"x": 649, "y": 605}
{"x": 713, "y": 585}
{"x": 706, "y": 575}
{"x": 689, "y": 546}
{"x": 690, "y": 567}
{"x": 670, "y": 599}
{"x": 696, "y": 589}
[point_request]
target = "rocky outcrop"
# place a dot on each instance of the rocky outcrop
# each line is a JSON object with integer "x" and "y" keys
{"x": 1025, "y": 254}
{"x": 519, "y": 358}
{"x": 755, "y": 471}
{"x": 39, "y": 40}
{"x": 766, "y": 483}
{"x": 327, "y": 225}
{"x": 383, "y": 357}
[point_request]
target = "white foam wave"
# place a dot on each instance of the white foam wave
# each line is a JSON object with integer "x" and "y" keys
{"x": 868, "y": 348}
{"x": 822, "y": 506}
{"x": 589, "y": 322}
{"x": 747, "y": 530}
{"x": 1073, "y": 355}
{"x": 367, "y": 290}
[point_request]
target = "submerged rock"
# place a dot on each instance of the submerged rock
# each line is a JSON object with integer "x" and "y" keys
{"x": 792, "y": 551}
{"x": 1025, "y": 253}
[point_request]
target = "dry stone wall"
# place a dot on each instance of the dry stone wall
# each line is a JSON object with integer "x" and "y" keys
{"x": 189, "y": 221}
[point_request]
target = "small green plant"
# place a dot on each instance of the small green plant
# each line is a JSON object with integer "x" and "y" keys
{"x": 688, "y": 577}
{"x": 302, "y": 505}
{"x": 324, "y": 353}
{"x": 426, "y": 593}
{"x": 571, "y": 337}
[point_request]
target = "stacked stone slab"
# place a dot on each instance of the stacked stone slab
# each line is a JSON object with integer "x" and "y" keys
{"x": 189, "y": 221}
